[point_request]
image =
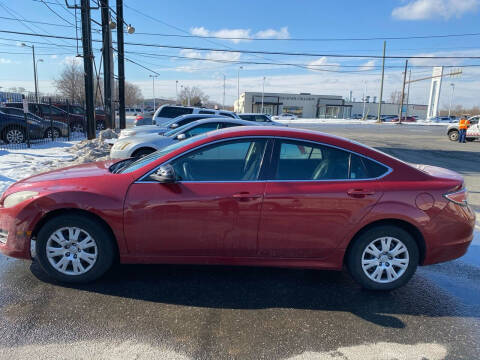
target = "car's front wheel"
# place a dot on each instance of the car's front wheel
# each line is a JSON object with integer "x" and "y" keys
{"x": 74, "y": 248}
{"x": 383, "y": 258}
{"x": 453, "y": 135}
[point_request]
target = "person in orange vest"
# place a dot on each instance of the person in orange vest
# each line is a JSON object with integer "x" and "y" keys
{"x": 462, "y": 129}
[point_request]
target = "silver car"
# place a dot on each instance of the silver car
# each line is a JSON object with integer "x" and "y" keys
{"x": 473, "y": 132}
{"x": 137, "y": 146}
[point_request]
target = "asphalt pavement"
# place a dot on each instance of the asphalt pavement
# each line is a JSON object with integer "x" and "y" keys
{"x": 207, "y": 312}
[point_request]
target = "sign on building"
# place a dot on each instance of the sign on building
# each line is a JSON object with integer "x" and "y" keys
{"x": 435, "y": 89}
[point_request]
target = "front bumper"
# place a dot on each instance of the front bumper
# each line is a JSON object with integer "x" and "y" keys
{"x": 15, "y": 234}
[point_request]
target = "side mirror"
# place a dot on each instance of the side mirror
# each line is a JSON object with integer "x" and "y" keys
{"x": 165, "y": 174}
{"x": 173, "y": 126}
{"x": 181, "y": 137}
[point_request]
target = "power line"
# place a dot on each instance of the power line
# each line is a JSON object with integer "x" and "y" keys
{"x": 60, "y": 16}
{"x": 306, "y": 39}
{"x": 35, "y": 22}
{"x": 253, "y": 51}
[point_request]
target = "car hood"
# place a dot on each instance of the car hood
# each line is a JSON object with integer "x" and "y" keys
{"x": 77, "y": 171}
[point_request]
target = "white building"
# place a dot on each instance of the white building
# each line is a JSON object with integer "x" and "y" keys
{"x": 371, "y": 108}
{"x": 303, "y": 105}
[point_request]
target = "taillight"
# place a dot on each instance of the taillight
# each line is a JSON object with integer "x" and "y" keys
{"x": 458, "y": 197}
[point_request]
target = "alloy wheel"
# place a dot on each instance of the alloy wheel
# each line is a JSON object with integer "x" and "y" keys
{"x": 15, "y": 136}
{"x": 71, "y": 251}
{"x": 385, "y": 260}
{"x": 56, "y": 133}
{"x": 77, "y": 128}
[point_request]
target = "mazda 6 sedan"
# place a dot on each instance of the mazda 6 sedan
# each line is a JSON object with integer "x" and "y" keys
{"x": 262, "y": 196}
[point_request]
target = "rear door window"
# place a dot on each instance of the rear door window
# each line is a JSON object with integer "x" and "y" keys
{"x": 206, "y": 112}
{"x": 227, "y": 114}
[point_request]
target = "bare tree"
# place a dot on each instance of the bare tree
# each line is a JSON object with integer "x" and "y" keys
{"x": 133, "y": 94}
{"x": 395, "y": 97}
{"x": 71, "y": 84}
{"x": 193, "y": 96}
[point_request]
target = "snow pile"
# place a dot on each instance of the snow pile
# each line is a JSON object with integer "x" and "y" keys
{"x": 92, "y": 150}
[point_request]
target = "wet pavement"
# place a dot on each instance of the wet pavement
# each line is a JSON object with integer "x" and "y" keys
{"x": 206, "y": 312}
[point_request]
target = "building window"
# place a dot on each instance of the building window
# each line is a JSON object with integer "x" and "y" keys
{"x": 295, "y": 110}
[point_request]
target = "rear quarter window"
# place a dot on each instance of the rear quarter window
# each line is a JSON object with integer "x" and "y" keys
{"x": 172, "y": 112}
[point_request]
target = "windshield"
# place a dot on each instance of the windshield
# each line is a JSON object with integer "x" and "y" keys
{"x": 137, "y": 164}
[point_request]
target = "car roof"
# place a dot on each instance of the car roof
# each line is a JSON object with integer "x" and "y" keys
{"x": 251, "y": 114}
{"x": 219, "y": 119}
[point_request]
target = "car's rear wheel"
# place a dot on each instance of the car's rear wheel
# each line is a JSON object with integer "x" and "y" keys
{"x": 453, "y": 135}
{"x": 14, "y": 135}
{"x": 383, "y": 258}
{"x": 74, "y": 249}
{"x": 56, "y": 133}
{"x": 77, "y": 127}
{"x": 142, "y": 152}
{"x": 100, "y": 125}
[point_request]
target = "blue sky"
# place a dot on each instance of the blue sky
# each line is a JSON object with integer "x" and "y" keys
{"x": 261, "y": 19}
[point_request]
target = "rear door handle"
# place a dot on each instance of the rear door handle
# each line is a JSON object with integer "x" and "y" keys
{"x": 360, "y": 192}
{"x": 246, "y": 196}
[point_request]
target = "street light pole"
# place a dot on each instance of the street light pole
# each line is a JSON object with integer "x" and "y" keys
{"x": 451, "y": 99}
{"x": 176, "y": 91}
{"x": 238, "y": 86}
{"x": 153, "y": 87}
{"x": 263, "y": 92}
{"x": 34, "y": 69}
{"x": 36, "y": 76}
{"x": 223, "y": 103}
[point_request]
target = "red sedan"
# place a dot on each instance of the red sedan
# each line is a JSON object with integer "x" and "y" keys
{"x": 265, "y": 196}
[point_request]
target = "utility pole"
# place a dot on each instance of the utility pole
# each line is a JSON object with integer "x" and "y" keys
{"x": 88, "y": 67}
{"x": 381, "y": 84}
{"x": 451, "y": 99}
{"x": 263, "y": 92}
{"x": 107, "y": 63}
{"x": 364, "y": 99}
{"x": 408, "y": 90}
{"x": 153, "y": 89}
{"x": 223, "y": 104}
{"x": 403, "y": 92}
{"x": 121, "y": 65}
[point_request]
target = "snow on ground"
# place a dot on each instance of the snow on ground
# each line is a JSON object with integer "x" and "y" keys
{"x": 19, "y": 164}
{"x": 356, "y": 121}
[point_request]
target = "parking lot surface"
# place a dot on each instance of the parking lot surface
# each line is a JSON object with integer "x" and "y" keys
{"x": 195, "y": 312}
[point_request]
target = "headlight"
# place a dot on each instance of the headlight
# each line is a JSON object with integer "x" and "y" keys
{"x": 121, "y": 146}
{"x": 18, "y": 197}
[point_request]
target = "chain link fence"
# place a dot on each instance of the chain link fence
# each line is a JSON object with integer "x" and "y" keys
{"x": 48, "y": 119}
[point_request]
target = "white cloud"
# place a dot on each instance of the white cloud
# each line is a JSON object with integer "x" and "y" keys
{"x": 429, "y": 9}
{"x": 273, "y": 34}
{"x": 69, "y": 59}
{"x": 315, "y": 65}
{"x": 5, "y": 61}
{"x": 190, "y": 53}
{"x": 224, "y": 56}
{"x": 238, "y": 35}
{"x": 53, "y": 56}
{"x": 369, "y": 65}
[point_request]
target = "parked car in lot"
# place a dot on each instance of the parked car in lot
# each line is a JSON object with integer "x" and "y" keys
{"x": 137, "y": 146}
{"x": 165, "y": 126}
{"x": 167, "y": 112}
{"x": 80, "y": 111}
{"x": 388, "y": 117}
{"x": 473, "y": 132}
{"x": 261, "y": 195}
{"x": 404, "y": 119}
{"x": 443, "y": 119}
{"x": 58, "y": 128}
{"x": 46, "y": 111}
{"x": 13, "y": 129}
{"x": 284, "y": 116}
{"x": 259, "y": 118}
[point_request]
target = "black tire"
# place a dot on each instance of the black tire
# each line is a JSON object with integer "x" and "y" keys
{"x": 77, "y": 127}
{"x": 453, "y": 135}
{"x": 142, "y": 152}
{"x": 356, "y": 252}
{"x": 56, "y": 133}
{"x": 105, "y": 249}
{"x": 100, "y": 125}
{"x": 14, "y": 135}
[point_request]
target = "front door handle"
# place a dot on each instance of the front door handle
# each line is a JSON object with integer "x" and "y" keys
{"x": 360, "y": 193}
{"x": 245, "y": 196}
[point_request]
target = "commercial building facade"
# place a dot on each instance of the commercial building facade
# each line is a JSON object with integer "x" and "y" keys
{"x": 303, "y": 105}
